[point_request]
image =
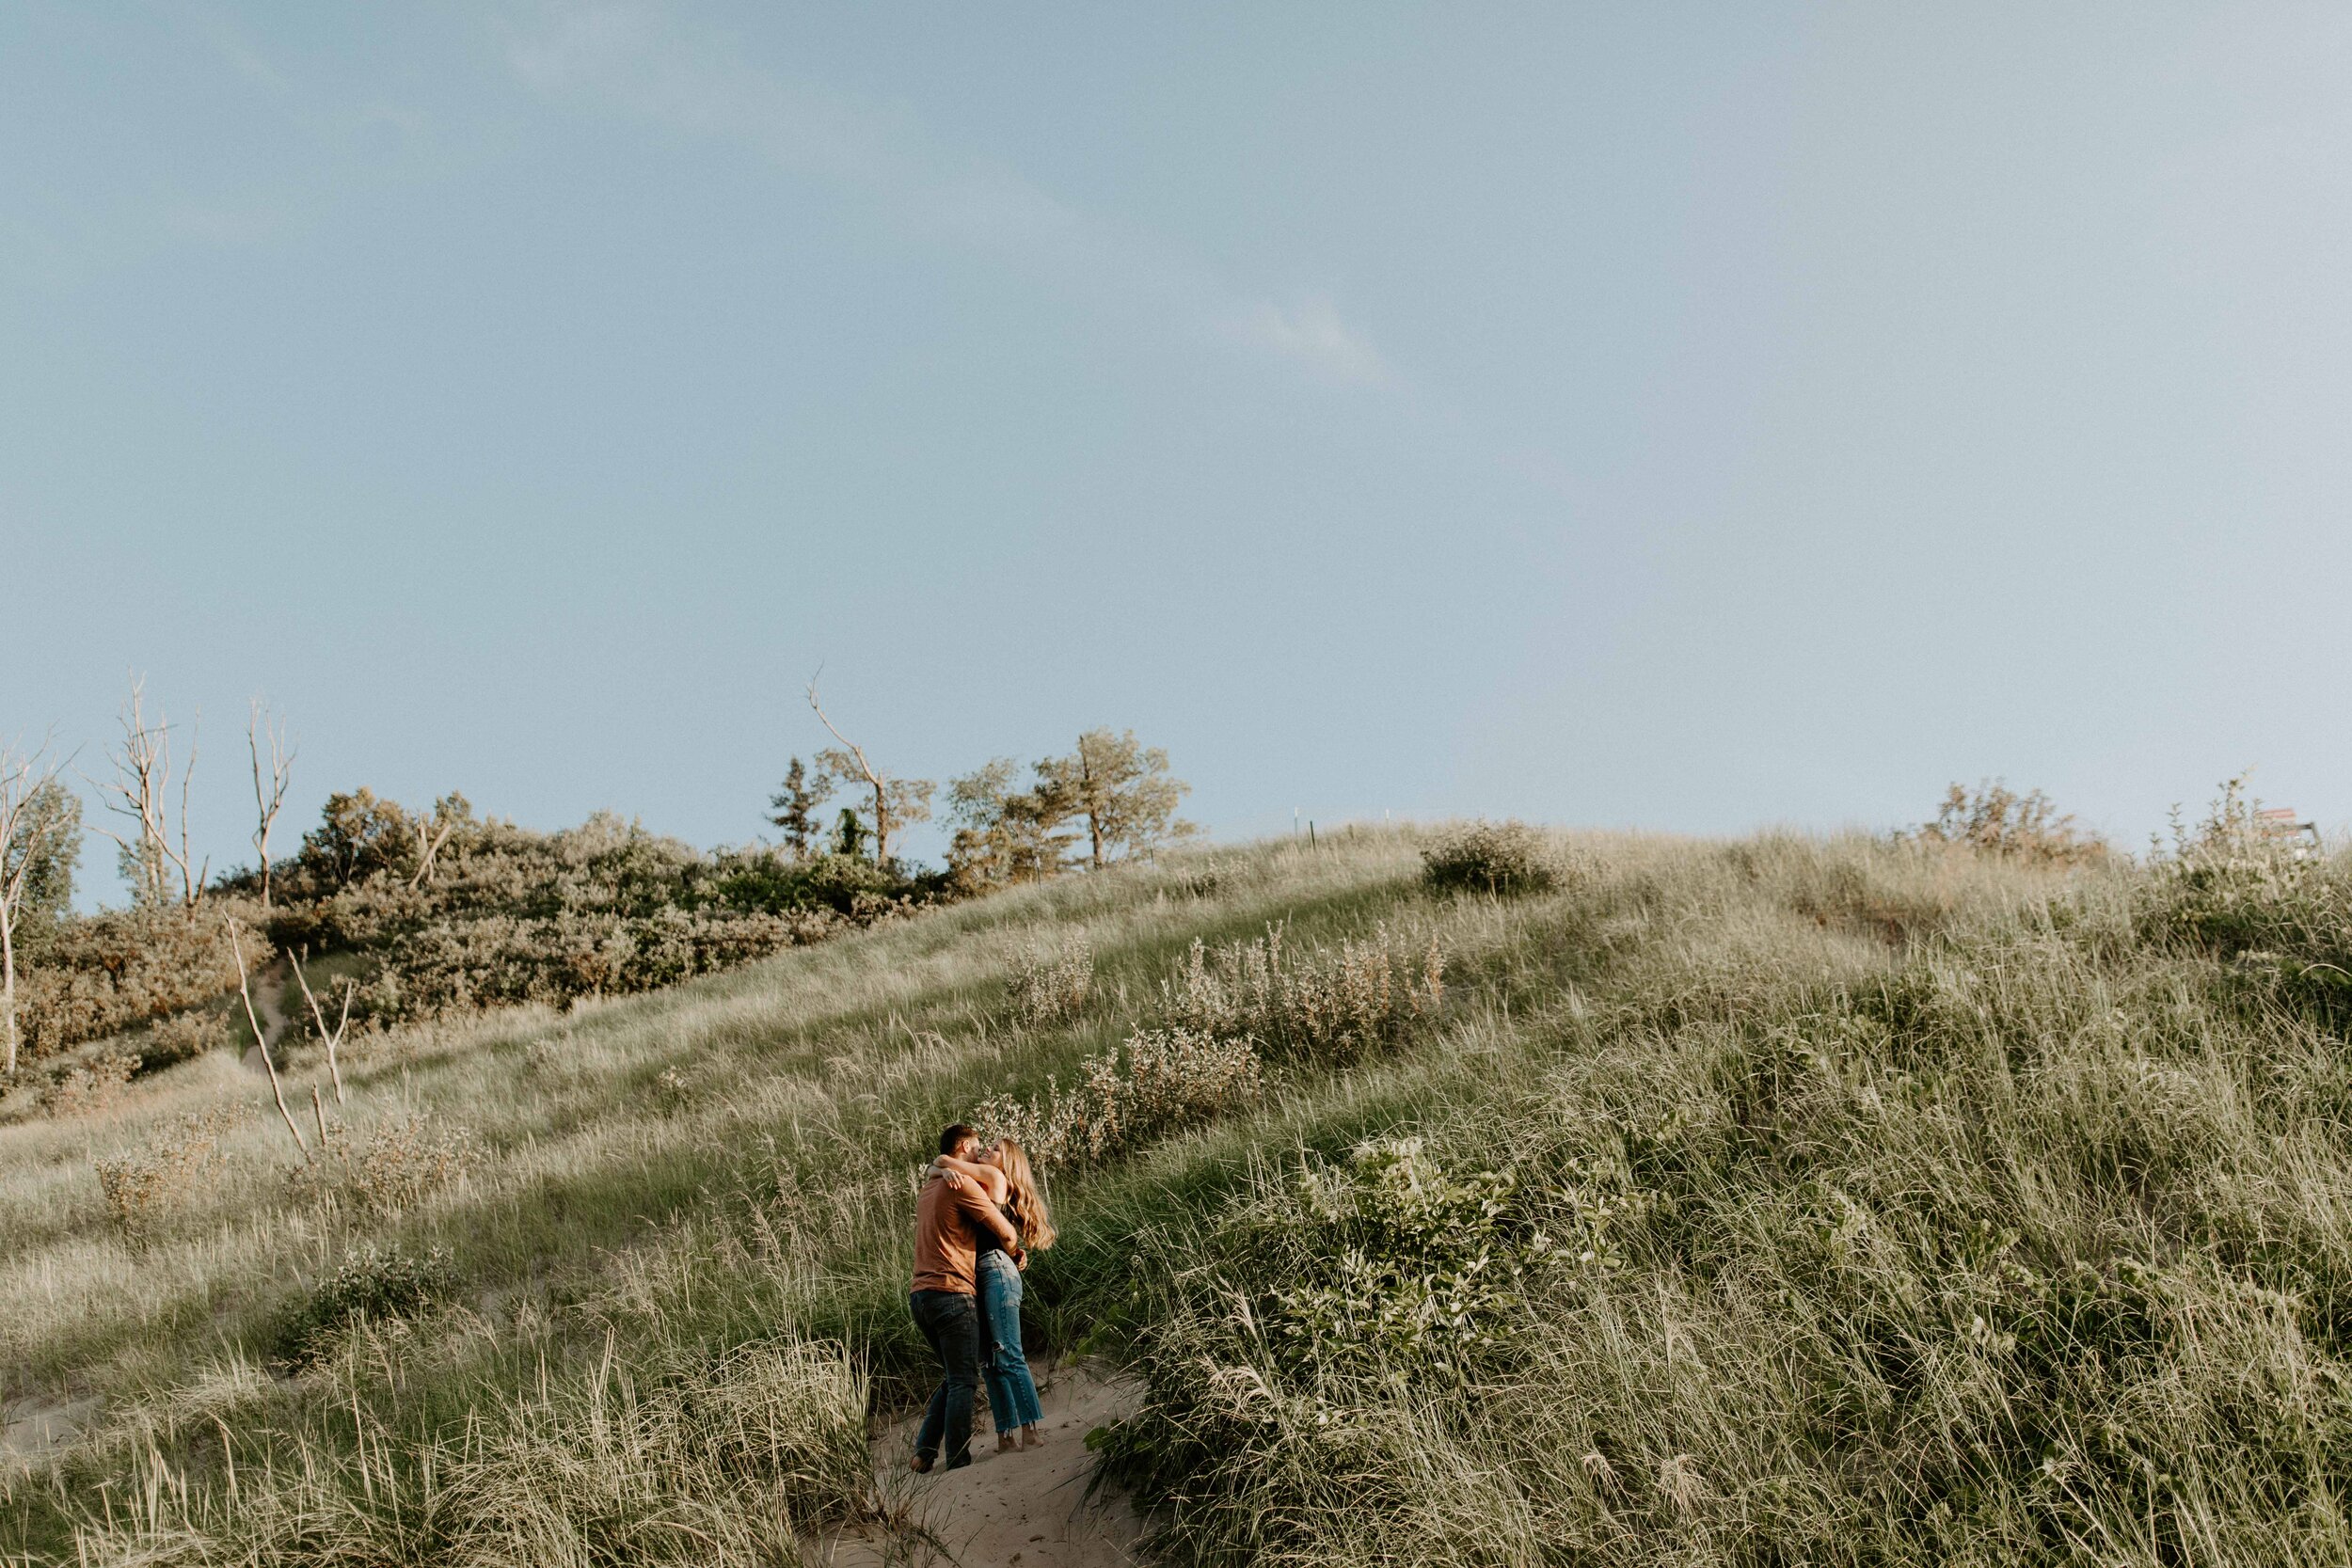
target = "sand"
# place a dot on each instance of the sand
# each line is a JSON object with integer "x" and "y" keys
{"x": 1027, "y": 1509}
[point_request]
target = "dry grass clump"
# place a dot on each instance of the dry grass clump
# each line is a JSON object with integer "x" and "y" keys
{"x": 727, "y": 1464}
{"x": 1052, "y": 984}
{"x": 728, "y": 1461}
{"x": 2279, "y": 912}
{"x": 179, "y": 1162}
{"x": 1491, "y": 857}
{"x": 1329, "y": 1006}
{"x": 1159, "y": 1083}
{"x": 391, "y": 1166}
{"x": 90, "y": 1087}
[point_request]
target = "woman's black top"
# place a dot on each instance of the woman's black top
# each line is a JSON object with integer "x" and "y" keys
{"x": 989, "y": 1242}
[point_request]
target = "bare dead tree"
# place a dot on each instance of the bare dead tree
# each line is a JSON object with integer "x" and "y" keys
{"x": 270, "y": 795}
{"x": 260, "y": 1042}
{"x": 24, "y": 777}
{"x": 142, "y": 791}
{"x": 333, "y": 1039}
{"x": 898, "y": 802}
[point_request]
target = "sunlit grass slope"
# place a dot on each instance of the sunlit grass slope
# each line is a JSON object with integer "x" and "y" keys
{"x": 1780, "y": 1201}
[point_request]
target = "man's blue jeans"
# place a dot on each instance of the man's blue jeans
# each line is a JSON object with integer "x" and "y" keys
{"x": 951, "y": 1321}
{"x": 1011, "y": 1391}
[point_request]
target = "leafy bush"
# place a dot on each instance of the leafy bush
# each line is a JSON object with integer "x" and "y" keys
{"x": 454, "y": 966}
{"x": 1291, "y": 1343}
{"x": 1997, "y": 820}
{"x": 1051, "y": 985}
{"x": 104, "y": 973}
{"x": 1160, "y": 1083}
{"x": 370, "y": 1285}
{"x": 1491, "y": 857}
{"x": 1329, "y": 1006}
{"x": 141, "y": 1187}
{"x": 182, "y": 1037}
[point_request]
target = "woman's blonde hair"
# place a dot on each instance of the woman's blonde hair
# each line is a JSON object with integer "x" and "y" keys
{"x": 1022, "y": 1201}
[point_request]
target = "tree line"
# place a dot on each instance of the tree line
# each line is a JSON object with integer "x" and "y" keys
{"x": 1111, "y": 798}
{"x": 370, "y": 874}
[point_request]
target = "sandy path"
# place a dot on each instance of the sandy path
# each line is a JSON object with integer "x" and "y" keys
{"x": 1027, "y": 1509}
{"x": 34, "y": 1428}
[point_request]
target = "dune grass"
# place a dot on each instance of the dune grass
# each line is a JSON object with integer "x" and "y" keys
{"x": 1941, "y": 1208}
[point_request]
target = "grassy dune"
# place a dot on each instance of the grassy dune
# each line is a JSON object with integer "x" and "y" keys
{"x": 1771, "y": 1201}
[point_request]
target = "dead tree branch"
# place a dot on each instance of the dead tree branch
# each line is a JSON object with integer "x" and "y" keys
{"x": 260, "y": 1042}
{"x": 897, "y": 802}
{"x": 334, "y": 1037}
{"x": 268, "y": 795}
{"x": 140, "y": 790}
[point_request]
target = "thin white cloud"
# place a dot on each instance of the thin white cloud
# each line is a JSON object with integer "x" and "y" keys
{"x": 236, "y": 52}
{"x": 1313, "y": 333}
{"x": 633, "y": 57}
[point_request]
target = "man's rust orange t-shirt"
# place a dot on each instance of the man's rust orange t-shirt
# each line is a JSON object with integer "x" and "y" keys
{"x": 947, "y": 1218}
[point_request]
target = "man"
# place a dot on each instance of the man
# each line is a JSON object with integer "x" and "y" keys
{"x": 945, "y": 1297}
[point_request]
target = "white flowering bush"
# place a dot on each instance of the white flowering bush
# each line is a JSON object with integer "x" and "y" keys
{"x": 1160, "y": 1082}
{"x": 1053, "y": 984}
{"x": 1331, "y": 1006}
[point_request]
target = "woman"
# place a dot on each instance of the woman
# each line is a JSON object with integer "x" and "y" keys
{"x": 1002, "y": 1172}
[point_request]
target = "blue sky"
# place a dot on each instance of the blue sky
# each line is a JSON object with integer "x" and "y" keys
{"x": 1689, "y": 417}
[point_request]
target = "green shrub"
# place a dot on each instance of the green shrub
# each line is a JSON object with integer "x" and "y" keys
{"x": 372, "y": 1285}
{"x": 2281, "y": 914}
{"x": 104, "y": 973}
{"x": 1491, "y": 857}
{"x": 1293, "y": 1347}
{"x": 455, "y": 966}
{"x": 182, "y": 1037}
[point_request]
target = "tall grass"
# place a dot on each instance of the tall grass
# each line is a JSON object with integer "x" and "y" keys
{"x": 1772, "y": 1201}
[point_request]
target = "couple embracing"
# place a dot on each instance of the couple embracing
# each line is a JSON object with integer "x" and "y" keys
{"x": 978, "y": 1220}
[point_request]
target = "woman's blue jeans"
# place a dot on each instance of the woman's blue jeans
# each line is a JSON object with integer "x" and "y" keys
{"x": 1011, "y": 1391}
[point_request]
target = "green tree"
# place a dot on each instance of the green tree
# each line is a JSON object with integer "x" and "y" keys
{"x": 40, "y": 839}
{"x": 358, "y": 835}
{"x": 53, "y": 853}
{"x": 1005, "y": 834}
{"x": 1123, "y": 790}
{"x": 795, "y": 807}
{"x": 848, "y": 834}
{"x": 896, "y": 802}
